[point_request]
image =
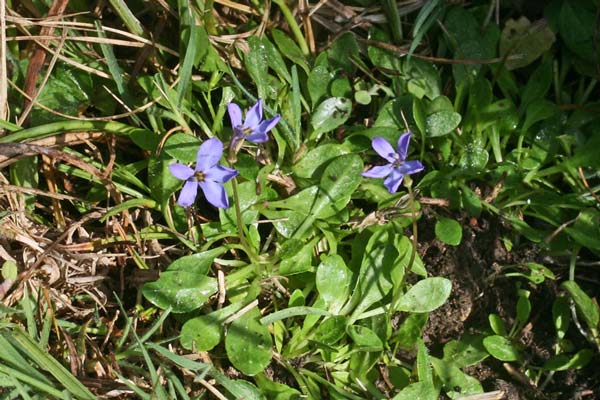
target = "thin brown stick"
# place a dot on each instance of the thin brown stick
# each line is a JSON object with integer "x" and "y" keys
{"x": 3, "y": 72}
{"x": 586, "y": 184}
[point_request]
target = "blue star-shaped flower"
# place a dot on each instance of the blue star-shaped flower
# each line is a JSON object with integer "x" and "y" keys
{"x": 208, "y": 174}
{"x": 253, "y": 129}
{"x": 396, "y": 169}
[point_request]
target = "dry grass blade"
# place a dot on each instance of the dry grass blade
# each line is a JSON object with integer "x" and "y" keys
{"x": 3, "y": 72}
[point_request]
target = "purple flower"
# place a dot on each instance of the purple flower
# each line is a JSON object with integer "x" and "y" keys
{"x": 208, "y": 175}
{"x": 396, "y": 169}
{"x": 254, "y": 129}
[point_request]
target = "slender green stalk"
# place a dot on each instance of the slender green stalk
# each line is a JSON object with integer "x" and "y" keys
{"x": 289, "y": 17}
{"x": 240, "y": 226}
{"x": 413, "y": 253}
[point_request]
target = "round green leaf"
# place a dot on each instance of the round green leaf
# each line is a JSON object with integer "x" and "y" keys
{"x": 9, "y": 270}
{"x": 501, "y": 348}
{"x": 184, "y": 286}
{"x": 201, "y": 333}
{"x": 182, "y": 290}
{"x": 425, "y": 296}
{"x": 248, "y": 344}
{"x": 362, "y": 97}
{"x": 521, "y": 42}
{"x": 474, "y": 158}
{"x": 330, "y": 114}
{"x": 448, "y": 231}
{"x": 442, "y": 123}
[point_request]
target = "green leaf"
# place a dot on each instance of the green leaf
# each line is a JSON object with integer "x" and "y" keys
{"x": 538, "y": 84}
{"x": 586, "y": 229}
{"x": 275, "y": 390}
{"x": 564, "y": 362}
{"x": 497, "y": 324}
{"x": 426, "y": 295}
{"x": 422, "y": 77}
{"x": 299, "y": 262}
{"x": 333, "y": 281}
{"x": 275, "y": 60}
{"x": 318, "y": 83}
{"x": 160, "y": 180}
{"x": 9, "y": 270}
{"x": 248, "y": 344}
{"x": 314, "y": 160}
{"x": 456, "y": 382}
{"x": 442, "y": 123}
{"x": 501, "y": 348}
{"x": 290, "y": 49}
{"x": 469, "y": 41}
{"x": 423, "y": 364}
{"x": 182, "y": 147}
{"x": 380, "y": 57}
{"x": 467, "y": 351}
{"x": 374, "y": 281}
{"x": 577, "y": 26}
{"x": 410, "y": 330}
{"x": 331, "y": 330}
{"x": 474, "y": 157}
{"x": 64, "y": 92}
{"x": 290, "y": 312}
{"x": 203, "y": 333}
{"x": 585, "y": 305}
{"x": 521, "y": 42}
{"x": 343, "y": 51}
{"x": 448, "y": 231}
{"x": 561, "y": 314}
{"x": 364, "y": 338}
{"x": 523, "y": 307}
{"x": 538, "y": 110}
{"x": 257, "y": 65}
{"x": 184, "y": 286}
{"x": 418, "y": 390}
{"x": 338, "y": 182}
{"x": 330, "y": 114}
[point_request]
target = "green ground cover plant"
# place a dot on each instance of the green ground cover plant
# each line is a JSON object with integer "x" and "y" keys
{"x": 256, "y": 200}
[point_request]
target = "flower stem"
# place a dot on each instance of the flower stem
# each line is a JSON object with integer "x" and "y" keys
{"x": 413, "y": 253}
{"x": 240, "y": 226}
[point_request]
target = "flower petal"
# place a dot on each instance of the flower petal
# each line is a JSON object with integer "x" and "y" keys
{"x": 188, "y": 194}
{"x": 220, "y": 174}
{"x": 235, "y": 114}
{"x": 392, "y": 182}
{"x": 267, "y": 125}
{"x": 254, "y": 115}
{"x": 215, "y": 194}
{"x": 257, "y": 137}
{"x": 384, "y": 149}
{"x": 411, "y": 167}
{"x": 403, "y": 142}
{"x": 209, "y": 154}
{"x": 181, "y": 171}
{"x": 380, "y": 171}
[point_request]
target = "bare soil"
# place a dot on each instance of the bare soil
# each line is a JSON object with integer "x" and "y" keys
{"x": 480, "y": 288}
